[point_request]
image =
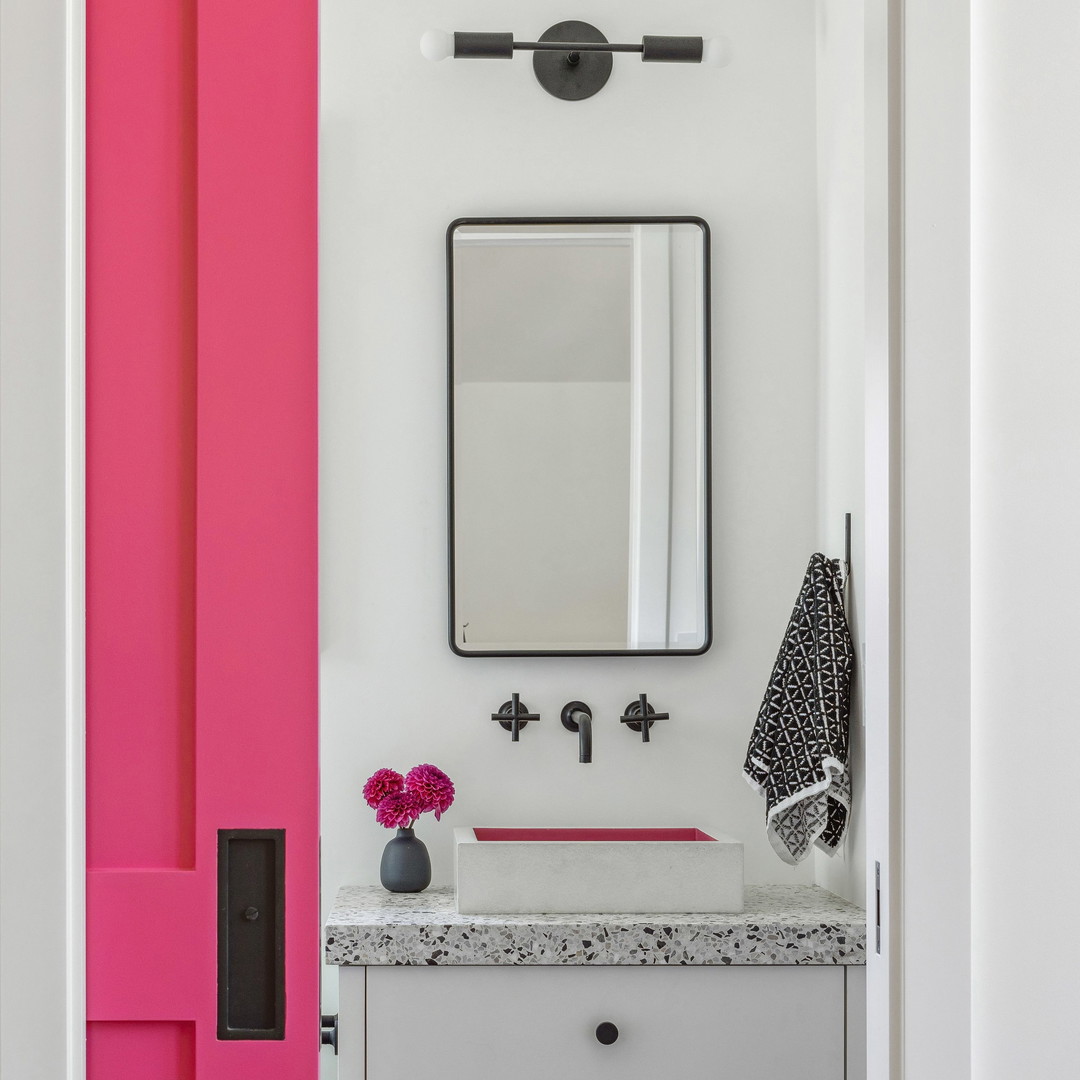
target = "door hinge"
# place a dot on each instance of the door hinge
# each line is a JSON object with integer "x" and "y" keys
{"x": 877, "y": 907}
{"x": 330, "y": 1030}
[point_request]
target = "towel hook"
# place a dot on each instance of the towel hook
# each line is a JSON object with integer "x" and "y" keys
{"x": 843, "y": 567}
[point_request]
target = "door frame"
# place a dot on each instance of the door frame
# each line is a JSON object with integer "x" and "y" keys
{"x": 933, "y": 818}
{"x": 926, "y": 139}
{"x": 917, "y": 670}
{"x": 881, "y": 661}
{"x": 42, "y": 869}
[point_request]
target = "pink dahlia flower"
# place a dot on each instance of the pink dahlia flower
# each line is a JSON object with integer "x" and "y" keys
{"x": 398, "y": 810}
{"x": 433, "y": 788}
{"x": 381, "y": 783}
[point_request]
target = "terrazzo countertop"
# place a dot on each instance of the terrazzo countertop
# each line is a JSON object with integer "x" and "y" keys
{"x": 782, "y": 924}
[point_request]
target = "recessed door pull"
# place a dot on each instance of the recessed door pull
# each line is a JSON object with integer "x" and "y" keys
{"x": 251, "y": 934}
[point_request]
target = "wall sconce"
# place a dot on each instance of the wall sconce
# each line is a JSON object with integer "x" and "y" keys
{"x": 572, "y": 60}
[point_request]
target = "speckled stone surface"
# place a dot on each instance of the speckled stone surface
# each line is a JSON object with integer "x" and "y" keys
{"x": 782, "y": 924}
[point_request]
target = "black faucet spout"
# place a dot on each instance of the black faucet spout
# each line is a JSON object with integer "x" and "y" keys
{"x": 584, "y": 737}
{"x": 577, "y": 716}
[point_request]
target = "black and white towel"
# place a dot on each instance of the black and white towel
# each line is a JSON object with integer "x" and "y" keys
{"x": 798, "y": 753}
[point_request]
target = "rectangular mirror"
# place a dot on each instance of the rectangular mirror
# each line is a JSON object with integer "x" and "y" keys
{"x": 579, "y": 498}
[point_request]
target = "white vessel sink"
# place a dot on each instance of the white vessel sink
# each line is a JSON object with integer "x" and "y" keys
{"x": 606, "y": 871}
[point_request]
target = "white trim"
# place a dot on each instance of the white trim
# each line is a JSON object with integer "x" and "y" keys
{"x": 42, "y": 995}
{"x": 936, "y": 540}
{"x": 75, "y": 539}
{"x": 882, "y": 661}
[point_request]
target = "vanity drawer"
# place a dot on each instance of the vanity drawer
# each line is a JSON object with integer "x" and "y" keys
{"x": 535, "y": 1023}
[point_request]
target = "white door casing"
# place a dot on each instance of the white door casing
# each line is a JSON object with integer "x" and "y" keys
{"x": 42, "y": 1001}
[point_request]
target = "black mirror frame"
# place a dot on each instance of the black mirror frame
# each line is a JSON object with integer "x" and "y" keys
{"x": 707, "y": 329}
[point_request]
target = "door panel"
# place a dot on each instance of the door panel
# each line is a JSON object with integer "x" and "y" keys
{"x": 147, "y": 1048}
{"x": 201, "y": 517}
{"x": 140, "y": 268}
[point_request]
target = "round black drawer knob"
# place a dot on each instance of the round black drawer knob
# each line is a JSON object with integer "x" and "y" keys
{"x": 251, "y": 913}
{"x": 606, "y": 1033}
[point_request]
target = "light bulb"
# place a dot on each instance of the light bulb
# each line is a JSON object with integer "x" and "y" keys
{"x": 717, "y": 51}
{"x": 437, "y": 45}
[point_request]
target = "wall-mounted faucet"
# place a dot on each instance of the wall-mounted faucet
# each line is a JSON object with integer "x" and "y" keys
{"x": 513, "y": 715}
{"x": 577, "y": 716}
{"x": 640, "y": 716}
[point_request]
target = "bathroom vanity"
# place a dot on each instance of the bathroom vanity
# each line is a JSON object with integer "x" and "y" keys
{"x": 774, "y": 991}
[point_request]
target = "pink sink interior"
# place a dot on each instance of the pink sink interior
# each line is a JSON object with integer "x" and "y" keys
{"x": 635, "y": 835}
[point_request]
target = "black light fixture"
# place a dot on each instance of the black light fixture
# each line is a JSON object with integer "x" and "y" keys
{"x": 572, "y": 60}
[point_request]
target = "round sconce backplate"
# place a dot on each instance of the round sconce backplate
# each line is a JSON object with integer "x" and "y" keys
{"x": 564, "y": 77}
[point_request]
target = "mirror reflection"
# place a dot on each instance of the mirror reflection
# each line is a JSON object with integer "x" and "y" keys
{"x": 579, "y": 483}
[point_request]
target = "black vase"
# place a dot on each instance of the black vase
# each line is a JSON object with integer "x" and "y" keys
{"x": 405, "y": 865}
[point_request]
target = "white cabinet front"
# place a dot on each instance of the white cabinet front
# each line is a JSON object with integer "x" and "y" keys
{"x": 536, "y": 1023}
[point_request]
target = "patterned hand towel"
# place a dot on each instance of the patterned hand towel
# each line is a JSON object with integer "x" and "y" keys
{"x": 798, "y": 751}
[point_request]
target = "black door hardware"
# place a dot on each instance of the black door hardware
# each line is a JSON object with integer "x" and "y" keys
{"x": 330, "y": 1030}
{"x": 877, "y": 908}
{"x": 606, "y": 1033}
{"x": 633, "y": 715}
{"x": 514, "y": 715}
{"x": 577, "y": 716}
{"x": 251, "y": 934}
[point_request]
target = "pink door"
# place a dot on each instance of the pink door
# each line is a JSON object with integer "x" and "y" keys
{"x": 202, "y": 743}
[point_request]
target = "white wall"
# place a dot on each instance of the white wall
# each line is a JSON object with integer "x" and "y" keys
{"x": 406, "y": 147}
{"x": 842, "y": 357}
{"x": 1025, "y": 525}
